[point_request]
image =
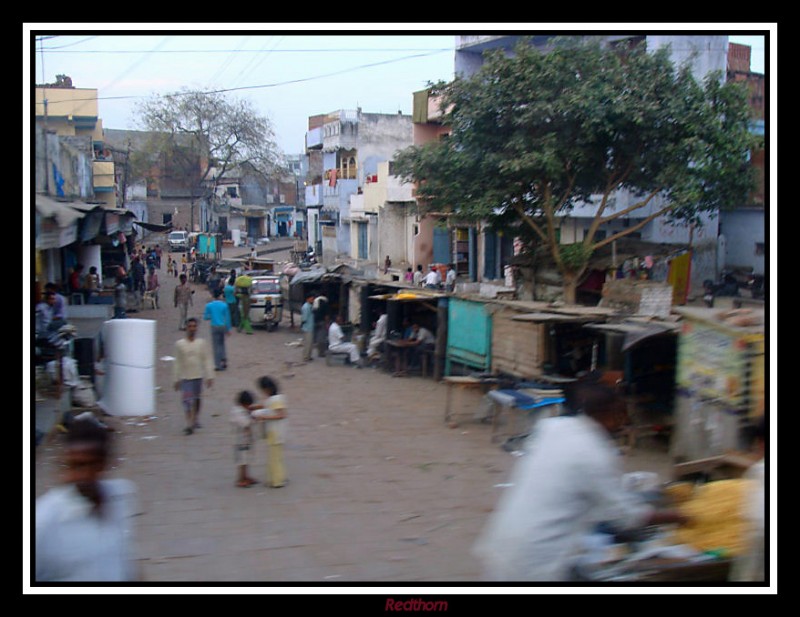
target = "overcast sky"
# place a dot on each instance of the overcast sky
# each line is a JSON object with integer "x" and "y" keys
{"x": 287, "y": 74}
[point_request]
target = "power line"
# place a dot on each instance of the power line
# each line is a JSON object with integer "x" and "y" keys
{"x": 250, "y": 51}
{"x": 272, "y": 85}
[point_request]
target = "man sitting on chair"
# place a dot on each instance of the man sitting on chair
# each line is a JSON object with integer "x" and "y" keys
{"x": 336, "y": 342}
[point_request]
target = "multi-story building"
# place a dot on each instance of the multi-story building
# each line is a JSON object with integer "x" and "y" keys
{"x": 78, "y": 218}
{"x": 742, "y": 229}
{"x": 344, "y": 148}
{"x": 74, "y": 161}
{"x": 383, "y": 220}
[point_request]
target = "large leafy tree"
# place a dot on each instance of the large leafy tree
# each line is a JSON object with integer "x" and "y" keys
{"x": 203, "y": 135}
{"x": 535, "y": 134}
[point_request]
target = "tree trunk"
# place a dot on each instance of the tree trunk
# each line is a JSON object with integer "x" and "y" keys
{"x": 571, "y": 287}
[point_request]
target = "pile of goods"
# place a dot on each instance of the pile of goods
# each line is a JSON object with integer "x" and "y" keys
{"x": 716, "y": 516}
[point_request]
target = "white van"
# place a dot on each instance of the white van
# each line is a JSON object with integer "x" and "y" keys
{"x": 178, "y": 241}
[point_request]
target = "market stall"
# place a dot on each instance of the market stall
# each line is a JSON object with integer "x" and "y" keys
{"x": 720, "y": 381}
{"x": 404, "y": 307}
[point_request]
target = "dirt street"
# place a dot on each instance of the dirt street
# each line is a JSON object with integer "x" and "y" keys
{"x": 380, "y": 488}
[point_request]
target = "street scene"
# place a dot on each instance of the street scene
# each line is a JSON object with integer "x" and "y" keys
{"x": 514, "y": 334}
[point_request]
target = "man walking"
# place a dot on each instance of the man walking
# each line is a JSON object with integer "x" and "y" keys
{"x": 219, "y": 315}
{"x": 183, "y": 298}
{"x": 193, "y": 363}
{"x": 433, "y": 279}
{"x": 307, "y": 326}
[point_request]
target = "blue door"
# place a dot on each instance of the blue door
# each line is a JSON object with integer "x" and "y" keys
{"x": 363, "y": 250}
{"x": 441, "y": 245}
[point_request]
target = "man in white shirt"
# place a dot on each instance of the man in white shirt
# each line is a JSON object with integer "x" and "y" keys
{"x": 378, "y": 337}
{"x": 433, "y": 279}
{"x": 450, "y": 280}
{"x": 424, "y": 341}
{"x": 337, "y": 343}
{"x": 84, "y": 530}
{"x": 567, "y": 482}
{"x": 419, "y": 276}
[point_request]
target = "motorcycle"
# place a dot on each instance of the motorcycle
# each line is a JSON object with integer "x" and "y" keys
{"x": 729, "y": 286}
{"x": 200, "y": 271}
{"x": 309, "y": 258}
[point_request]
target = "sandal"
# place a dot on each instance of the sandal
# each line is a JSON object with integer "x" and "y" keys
{"x": 251, "y": 481}
{"x": 243, "y": 484}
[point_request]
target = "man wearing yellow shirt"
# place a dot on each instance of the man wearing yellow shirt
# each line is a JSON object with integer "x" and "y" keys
{"x": 193, "y": 363}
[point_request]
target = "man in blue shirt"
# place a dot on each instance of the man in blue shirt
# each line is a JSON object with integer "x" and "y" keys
{"x": 218, "y": 313}
{"x": 307, "y": 326}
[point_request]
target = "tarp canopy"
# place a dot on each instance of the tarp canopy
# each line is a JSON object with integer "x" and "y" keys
{"x": 314, "y": 275}
{"x": 154, "y": 226}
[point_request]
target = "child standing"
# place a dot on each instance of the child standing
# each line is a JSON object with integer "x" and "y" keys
{"x": 242, "y": 422}
{"x": 273, "y": 414}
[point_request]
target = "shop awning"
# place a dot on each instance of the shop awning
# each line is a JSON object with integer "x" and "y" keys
{"x": 635, "y": 332}
{"x": 56, "y": 223}
{"x": 64, "y": 212}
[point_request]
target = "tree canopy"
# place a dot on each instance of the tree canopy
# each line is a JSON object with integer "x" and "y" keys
{"x": 206, "y": 134}
{"x": 535, "y": 134}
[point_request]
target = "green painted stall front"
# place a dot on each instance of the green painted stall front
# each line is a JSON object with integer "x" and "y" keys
{"x": 469, "y": 335}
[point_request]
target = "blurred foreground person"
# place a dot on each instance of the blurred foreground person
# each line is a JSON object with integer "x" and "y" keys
{"x": 568, "y": 481}
{"x": 750, "y": 565}
{"x": 84, "y": 530}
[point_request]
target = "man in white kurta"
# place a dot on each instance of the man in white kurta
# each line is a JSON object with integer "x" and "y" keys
{"x": 336, "y": 342}
{"x": 378, "y": 337}
{"x": 568, "y": 480}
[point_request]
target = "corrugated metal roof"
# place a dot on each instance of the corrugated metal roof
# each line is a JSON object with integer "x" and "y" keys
{"x": 61, "y": 211}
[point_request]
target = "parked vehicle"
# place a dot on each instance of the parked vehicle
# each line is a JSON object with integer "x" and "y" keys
{"x": 266, "y": 301}
{"x": 178, "y": 241}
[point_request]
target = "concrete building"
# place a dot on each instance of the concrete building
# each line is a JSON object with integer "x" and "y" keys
{"x": 71, "y": 156}
{"x": 168, "y": 196}
{"x": 343, "y": 149}
{"x": 77, "y": 214}
{"x": 478, "y": 252}
{"x": 742, "y": 235}
{"x": 383, "y": 221}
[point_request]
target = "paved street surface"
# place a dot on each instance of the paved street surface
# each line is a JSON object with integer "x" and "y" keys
{"x": 380, "y": 488}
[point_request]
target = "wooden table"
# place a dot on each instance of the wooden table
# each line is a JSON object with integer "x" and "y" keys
{"x": 399, "y": 349}
{"x": 469, "y": 383}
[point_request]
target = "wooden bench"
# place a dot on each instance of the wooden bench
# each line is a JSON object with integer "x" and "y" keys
{"x": 336, "y": 357}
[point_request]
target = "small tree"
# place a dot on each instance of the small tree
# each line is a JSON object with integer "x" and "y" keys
{"x": 203, "y": 135}
{"x": 536, "y": 134}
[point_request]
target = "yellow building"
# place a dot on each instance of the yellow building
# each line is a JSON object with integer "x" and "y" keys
{"x": 73, "y": 112}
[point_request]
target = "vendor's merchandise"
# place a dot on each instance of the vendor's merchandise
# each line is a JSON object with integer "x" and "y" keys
{"x": 679, "y": 492}
{"x": 716, "y": 523}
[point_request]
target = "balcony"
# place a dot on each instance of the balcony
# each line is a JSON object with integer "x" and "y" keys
{"x": 314, "y": 139}
{"x": 103, "y": 176}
